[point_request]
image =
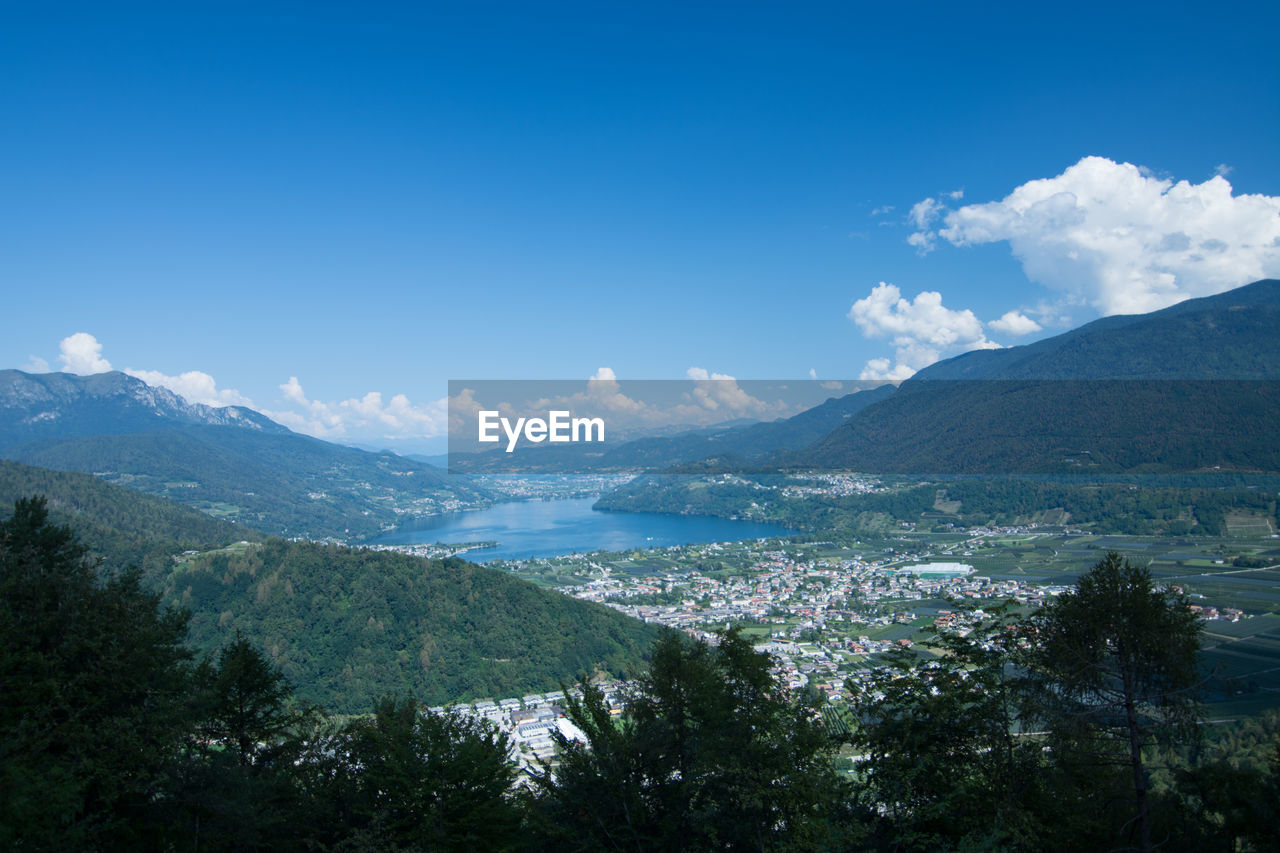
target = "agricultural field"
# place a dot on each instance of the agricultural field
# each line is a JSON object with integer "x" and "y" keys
{"x": 1249, "y": 525}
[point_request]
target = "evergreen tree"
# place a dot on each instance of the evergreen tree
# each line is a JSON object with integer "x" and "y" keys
{"x": 1119, "y": 661}
{"x": 712, "y": 753}
{"x": 93, "y": 677}
{"x": 407, "y": 780}
{"x": 237, "y": 785}
{"x": 941, "y": 758}
{"x": 246, "y": 706}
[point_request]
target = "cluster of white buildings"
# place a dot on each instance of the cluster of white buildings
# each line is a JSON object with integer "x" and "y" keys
{"x": 808, "y": 594}
{"x": 531, "y": 721}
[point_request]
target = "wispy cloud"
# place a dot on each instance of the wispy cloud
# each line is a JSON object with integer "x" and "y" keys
{"x": 36, "y": 364}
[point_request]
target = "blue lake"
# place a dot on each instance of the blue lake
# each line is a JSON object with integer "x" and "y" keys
{"x": 548, "y": 528}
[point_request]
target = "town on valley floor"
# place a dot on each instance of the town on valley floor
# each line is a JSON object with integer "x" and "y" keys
{"x": 828, "y": 610}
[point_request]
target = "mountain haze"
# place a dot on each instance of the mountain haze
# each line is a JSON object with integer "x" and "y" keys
{"x": 231, "y": 462}
{"x": 63, "y": 405}
{"x": 1193, "y": 387}
{"x": 1230, "y": 335}
{"x": 749, "y": 442}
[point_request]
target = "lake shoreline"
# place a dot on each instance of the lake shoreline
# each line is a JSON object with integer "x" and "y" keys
{"x": 553, "y": 527}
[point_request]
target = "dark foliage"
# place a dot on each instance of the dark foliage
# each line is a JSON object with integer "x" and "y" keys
{"x": 121, "y": 525}
{"x": 93, "y": 678}
{"x": 1119, "y": 663}
{"x": 1068, "y": 730}
{"x": 710, "y": 754}
{"x": 349, "y": 626}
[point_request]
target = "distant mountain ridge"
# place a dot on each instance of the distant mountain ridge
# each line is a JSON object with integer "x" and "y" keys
{"x": 232, "y": 462}
{"x": 64, "y": 405}
{"x": 1231, "y": 335}
{"x": 749, "y": 442}
{"x": 1193, "y": 387}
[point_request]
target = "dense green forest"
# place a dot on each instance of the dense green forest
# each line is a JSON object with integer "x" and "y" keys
{"x": 1135, "y": 506}
{"x": 346, "y": 625}
{"x": 1058, "y": 426}
{"x": 120, "y": 525}
{"x": 1076, "y": 727}
{"x": 349, "y": 625}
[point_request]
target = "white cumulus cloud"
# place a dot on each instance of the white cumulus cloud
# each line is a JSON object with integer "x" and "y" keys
{"x": 603, "y": 390}
{"x": 1119, "y": 237}
{"x": 603, "y": 394}
{"x": 721, "y": 393}
{"x": 82, "y": 354}
{"x": 369, "y": 415}
{"x": 1015, "y": 323}
{"x": 922, "y": 330}
{"x": 195, "y": 385}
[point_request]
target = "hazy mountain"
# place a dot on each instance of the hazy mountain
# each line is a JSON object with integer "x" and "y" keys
{"x": 744, "y": 443}
{"x": 749, "y": 443}
{"x": 231, "y": 462}
{"x": 63, "y": 405}
{"x": 1188, "y": 388}
{"x": 436, "y": 460}
{"x": 1231, "y": 335}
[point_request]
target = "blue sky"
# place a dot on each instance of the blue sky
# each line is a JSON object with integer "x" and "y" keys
{"x": 377, "y": 201}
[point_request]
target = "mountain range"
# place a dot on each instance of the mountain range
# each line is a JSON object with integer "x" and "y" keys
{"x": 64, "y": 405}
{"x": 1155, "y": 423}
{"x": 231, "y": 462}
{"x": 1231, "y": 335}
{"x": 732, "y": 443}
{"x": 1190, "y": 388}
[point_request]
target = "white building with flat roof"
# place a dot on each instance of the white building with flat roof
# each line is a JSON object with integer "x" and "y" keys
{"x": 937, "y": 570}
